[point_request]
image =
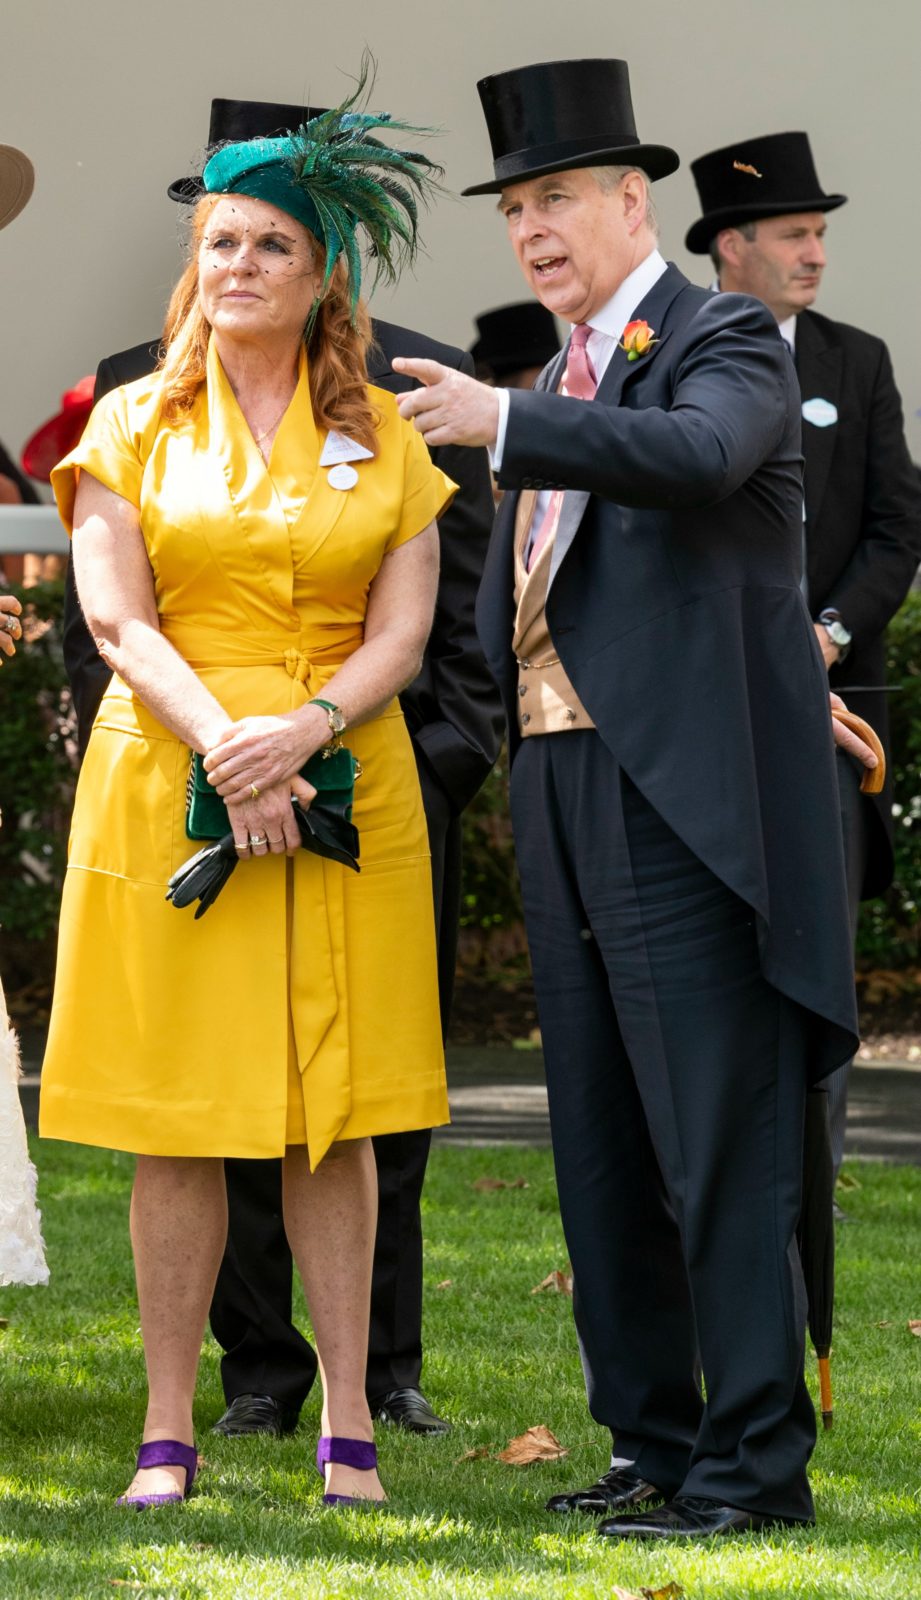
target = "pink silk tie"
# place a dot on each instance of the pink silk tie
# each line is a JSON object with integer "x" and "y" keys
{"x": 580, "y": 383}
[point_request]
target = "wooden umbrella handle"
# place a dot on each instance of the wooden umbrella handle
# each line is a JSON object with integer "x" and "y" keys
{"x": 873, "y": 777}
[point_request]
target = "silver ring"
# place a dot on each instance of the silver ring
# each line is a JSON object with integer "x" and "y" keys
{"x": 258, "y": 838}
{"x": 10, "y": 621}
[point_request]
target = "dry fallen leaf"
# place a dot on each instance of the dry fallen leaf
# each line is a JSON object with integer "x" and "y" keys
{"x": 486, "y": 1184}
{"x": 538, "y": 1444}
{"x": 672, "y": 1591}
{"x": 446, "y": 1283}
{"x": 846, "y": 1180}
{"x": 914, "y": 1326}
{"x": 473, "y": 1455}
{"x": 884, "y": 1324}
{"x": 4, "y": 1322}
{"x": 560, "y": 1281}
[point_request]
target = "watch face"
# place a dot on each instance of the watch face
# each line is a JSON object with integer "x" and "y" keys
{"x": 838, "y": 633}
{"x": 336, "y": 721}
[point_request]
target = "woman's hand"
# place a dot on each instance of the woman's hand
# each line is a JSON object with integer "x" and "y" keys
{"x": 257, "y": 752}
{"x": 267, "y": 825}
{"x": 10, "y": 625}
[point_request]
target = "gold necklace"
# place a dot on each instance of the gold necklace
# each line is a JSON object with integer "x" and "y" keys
{"x": 266, "y": 431}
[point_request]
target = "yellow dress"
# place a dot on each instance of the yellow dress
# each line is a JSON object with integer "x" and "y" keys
{"x": 175, "y": 1037}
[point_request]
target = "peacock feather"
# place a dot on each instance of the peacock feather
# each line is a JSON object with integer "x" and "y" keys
{"x": 356, "y": 181}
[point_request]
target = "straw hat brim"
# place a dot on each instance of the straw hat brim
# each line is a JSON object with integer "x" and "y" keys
{"x": 17, "y": 180}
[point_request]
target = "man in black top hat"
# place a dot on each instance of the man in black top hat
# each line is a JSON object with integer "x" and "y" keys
{"x": 514, "y": 344}
{"x": 672, "y": 779}
{"x": 764, "y": 225}
{"x": 454, "y": 718}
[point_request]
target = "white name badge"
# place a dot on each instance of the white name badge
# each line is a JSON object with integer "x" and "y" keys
{"x": 821, "y": 413}
{"x": 339, "y": 447}
{"x": 342, "y": 476}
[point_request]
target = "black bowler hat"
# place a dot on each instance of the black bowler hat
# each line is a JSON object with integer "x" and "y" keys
{"x": 768, "y": 177}
{"x": 514, "y": 337}
{"x": 561, "y": 114}
{"x": 235, "y": 121}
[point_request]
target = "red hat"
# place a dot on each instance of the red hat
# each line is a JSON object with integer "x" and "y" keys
{"x": 58, "y": 436}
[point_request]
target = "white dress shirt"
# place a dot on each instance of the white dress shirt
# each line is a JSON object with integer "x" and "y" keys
{"x": 607, "y": 327}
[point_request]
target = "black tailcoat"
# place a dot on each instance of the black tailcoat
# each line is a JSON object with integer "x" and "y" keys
{"x": 863, "y": 524}
{"x": 674, "y": 605}
{"x": 683, "y": 883}
{"x": 454, "y": 716}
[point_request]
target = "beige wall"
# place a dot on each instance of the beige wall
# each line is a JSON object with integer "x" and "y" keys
{"x": 111, "y": 100}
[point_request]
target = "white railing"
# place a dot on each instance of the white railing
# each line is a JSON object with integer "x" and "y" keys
{"x": 32, "y": 530}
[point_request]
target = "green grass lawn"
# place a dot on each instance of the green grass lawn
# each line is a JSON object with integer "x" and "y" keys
{"x": 499, "y": 1360}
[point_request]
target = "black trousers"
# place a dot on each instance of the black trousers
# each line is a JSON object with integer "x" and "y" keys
{"x": 251, "y": 1310}
{"x": 677, "y": 1079}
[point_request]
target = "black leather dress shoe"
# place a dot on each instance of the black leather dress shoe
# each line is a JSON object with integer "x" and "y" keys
{"x": 692, "y": 1518}
{"x": 409, "y": 1409}
{"x": 256, "y": 1413}
{"x": 617, "y": 1491}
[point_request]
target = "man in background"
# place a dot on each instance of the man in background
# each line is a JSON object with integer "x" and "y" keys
{"x": 764, "y": 226}
{"x": 514, "y": 344}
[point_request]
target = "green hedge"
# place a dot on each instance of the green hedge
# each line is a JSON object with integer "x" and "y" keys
{"x": 889, "y": 935}
{"x": 38, "y": 760}
{"x": 38, "y": 769}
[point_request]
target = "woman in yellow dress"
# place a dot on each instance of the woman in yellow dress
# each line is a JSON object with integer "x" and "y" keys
{"x": 255, "y": 550}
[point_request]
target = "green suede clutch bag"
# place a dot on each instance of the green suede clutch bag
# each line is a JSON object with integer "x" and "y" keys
{"x": 332, "y": 773}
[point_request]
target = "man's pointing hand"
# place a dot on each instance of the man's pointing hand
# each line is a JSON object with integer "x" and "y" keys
{"x": 451, "y": 408}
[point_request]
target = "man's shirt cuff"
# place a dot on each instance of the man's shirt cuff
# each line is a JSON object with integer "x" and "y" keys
{"x": 495, "y": 451}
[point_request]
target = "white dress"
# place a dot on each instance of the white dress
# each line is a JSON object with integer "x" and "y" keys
{"x": 22, "y": 1253}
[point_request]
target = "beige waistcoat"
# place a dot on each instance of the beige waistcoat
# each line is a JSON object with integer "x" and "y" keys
{"x": 547, "y": 701}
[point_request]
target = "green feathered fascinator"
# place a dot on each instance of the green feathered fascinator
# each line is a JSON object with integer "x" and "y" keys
{"x": 336, "y": 176}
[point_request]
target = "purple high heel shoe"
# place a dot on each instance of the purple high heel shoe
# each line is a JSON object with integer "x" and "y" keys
{"x": 357, "y": 1453}
{"x": 163, "y": 1453}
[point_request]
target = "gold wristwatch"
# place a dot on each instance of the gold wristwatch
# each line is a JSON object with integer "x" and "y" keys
{"x": 335, "y": 718}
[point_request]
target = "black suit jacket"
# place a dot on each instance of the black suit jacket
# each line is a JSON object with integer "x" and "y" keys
{"x": 452, "y": 709}
{"x": 863, "y": 523}
{"x": 674, "y": 605}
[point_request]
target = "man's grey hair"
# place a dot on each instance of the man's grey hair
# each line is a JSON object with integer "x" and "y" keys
{"x": 746, "y": 229}
{"x": 607, "y": 179}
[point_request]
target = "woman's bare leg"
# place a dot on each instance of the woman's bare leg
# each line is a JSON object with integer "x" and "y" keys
{"x": 330, "y": 1217}
{"x": 178, "y": 1232}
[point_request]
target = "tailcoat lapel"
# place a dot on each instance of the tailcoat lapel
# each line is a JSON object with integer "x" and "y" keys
{"x": 818, "y": 367}
{"x": 618, "y": 374}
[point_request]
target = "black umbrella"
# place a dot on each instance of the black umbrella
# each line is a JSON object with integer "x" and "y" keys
{"x": 324, "y": 827}
{"x": 815, "y": 1235}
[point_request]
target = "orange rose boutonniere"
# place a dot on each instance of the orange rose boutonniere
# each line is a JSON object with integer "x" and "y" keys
{"x": 637, "y": 340}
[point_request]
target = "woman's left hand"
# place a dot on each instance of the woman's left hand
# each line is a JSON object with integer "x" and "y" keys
{"x": 257, "y": 752}
{"x": 10, "y": 625}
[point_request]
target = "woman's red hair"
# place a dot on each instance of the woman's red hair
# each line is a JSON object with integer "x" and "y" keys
{"x": 337, "y": 349}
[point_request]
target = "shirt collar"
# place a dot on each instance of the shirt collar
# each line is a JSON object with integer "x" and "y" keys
{"x": 788, "y": 330}
{"x": 613, "y": 317}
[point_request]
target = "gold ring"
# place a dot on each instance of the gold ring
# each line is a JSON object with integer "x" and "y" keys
{"x": 254, "y": 791}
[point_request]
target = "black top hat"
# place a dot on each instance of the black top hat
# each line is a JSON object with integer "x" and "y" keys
{"x": 768, "y": 177}
{"x": 233, "y": 122}
{"x": 561, "y": 114}
{"x": 516, "y": 336}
